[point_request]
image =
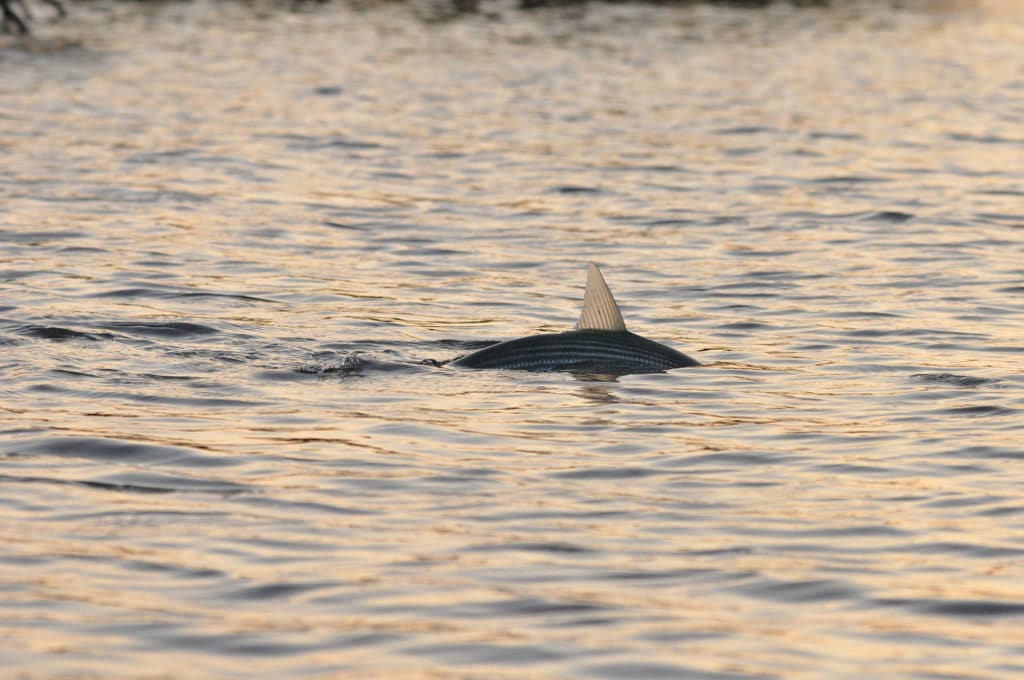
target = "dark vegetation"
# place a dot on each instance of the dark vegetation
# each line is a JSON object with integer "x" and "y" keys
{"x": 16, "y": 15}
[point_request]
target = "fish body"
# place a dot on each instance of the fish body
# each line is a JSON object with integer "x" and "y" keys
{"x": 600, "y": 343}
{"x": 597, "y": 351}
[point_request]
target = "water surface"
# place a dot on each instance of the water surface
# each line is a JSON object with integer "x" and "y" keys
{"x": 232, "y": 247}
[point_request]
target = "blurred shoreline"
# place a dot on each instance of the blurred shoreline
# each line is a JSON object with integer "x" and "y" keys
{"x": 30, "y": 19}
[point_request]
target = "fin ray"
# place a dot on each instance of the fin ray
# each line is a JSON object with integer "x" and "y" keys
{"x": 600, "y": 311}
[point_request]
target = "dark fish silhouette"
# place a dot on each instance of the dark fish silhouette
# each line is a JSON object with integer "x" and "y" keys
{"x": 599, "y": 344}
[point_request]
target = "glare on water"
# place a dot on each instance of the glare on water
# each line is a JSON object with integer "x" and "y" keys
{"x": 236, "y": 249}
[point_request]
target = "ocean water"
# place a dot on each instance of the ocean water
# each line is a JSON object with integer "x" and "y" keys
{"x": 237, "y": 245}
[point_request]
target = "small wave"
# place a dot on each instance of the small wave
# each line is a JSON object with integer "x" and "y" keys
{"x": 951, "y": 379}
{"x": 891, "y": 216}
{"x": 298, "y": 142}
{"x": 119, "y": 450}
{"x": 979, "y": 411}
{"x": 957, "y": 608}
{"x": 544, "y": 547}
{"x": 662, "y": 671}
{"x": 607, "y": 473}
{"x": 273, "y": 591}
{"x": 848, "y": 179}
{"x": 60, "y": 333}
{"x": 489, "y": 653}
{"x": 37, "y": 236}
{"x": 164, "y": 293}
{"x": 169, "y": 329}
{"x": 820, "y": 590}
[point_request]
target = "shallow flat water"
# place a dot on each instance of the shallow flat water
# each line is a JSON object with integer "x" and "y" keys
{"x": 231, "y": 248}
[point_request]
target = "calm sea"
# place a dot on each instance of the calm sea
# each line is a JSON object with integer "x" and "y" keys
{"x": 235, "y": 241}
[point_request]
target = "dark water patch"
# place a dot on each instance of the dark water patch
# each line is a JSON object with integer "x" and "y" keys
{"x": 71, "y": 373}
{"x": 143, "y": 196}
{"x": 60, "y": 334}
{"x": 174, "y": 570}
{"x": 965, "y": 549}
{"x": 519, "y": 606}
{"x": 545, "y": 515}
{"x": 624, "y": 167}
{"x": 169, "y": 483}
{"x": 799, "y": 592}
{"x": 988, "y": 452}
{"x": 173, "y": 378}
{"x": 962, "y": 501}
{"x": 199, "y": 403}
{"x": 752, "y": 252}
{"x": 726, "y": 459}
{"x": 77, "y": 250}
{"x": 126, "y": 488}
{"x": 171, "y": 293}
{"x": 657, "y": 576}
{"x": 297, "y": 375}
{"x": 979, "y": 411}
{"x": 775, "y": 274}
{"x": 160, "y": 157}
{"x": 890, "y": 216}
{"x": 491, "y": 653}
{"x": 815, "y": 219}
{"x": 284, "y": 505}
{"x": 147, "y": 518}
{"x": 746, "y": 326}
{"x": 450, "y": 479}
{"x": 842, "y": 136}
{"x": 1012, "y": 289}
{"x": 116, "y": 450}
{"x": 236, "y": 644}
{"x": 328, "y": 90}
{"x": 1006, "y": 349}
{"x": 401, "y": 176}
{"x": 156, "y": 329}
{"x": 1002, "y": 218}
{"x": 852, "y": 531}
{"x": 912, "y": 333}
{"x": 274, "y": 551}
{"x": 759, "y": 187}
{"x": 573, "y": 189}
{"x": 849, "y": 179}
{"x": 134, "y": 292}
{"x": 347, "y": 225}
{"x": 745, "y": 130}
{"x": 666, "y": 222}
{"x": 731, "y": 551}
{"x": 959, "y": 608}
{"x": 17, "y": 274}
{"x": 985, "y": 139}
{"x": 1001, "y": 192}
{"x": 1003, "y": 510}
{"x": 559, "y": 548}
{"x": 858, "y": 469}
{"x": 273, "y": 591}
{"x": 228, "y": 296}
{"x": 649, "y": 670}
{"x": 607, "y": 473}
{"x": 297, "y": 142}
{"x": 36, "y": 237}
{"x": 951, "y": 379}
{"x": 429, "y": 251}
